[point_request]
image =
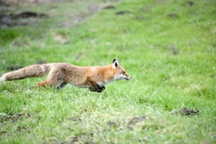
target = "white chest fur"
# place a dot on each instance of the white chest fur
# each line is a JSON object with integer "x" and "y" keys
{"x": 104, "y": 83}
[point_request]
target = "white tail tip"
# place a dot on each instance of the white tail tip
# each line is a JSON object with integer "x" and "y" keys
{"x": 2, "y": 78}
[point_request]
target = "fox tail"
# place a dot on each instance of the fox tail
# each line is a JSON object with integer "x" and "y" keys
{"x": 36, "y": 70}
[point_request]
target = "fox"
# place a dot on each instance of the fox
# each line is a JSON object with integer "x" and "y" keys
{"x": 61, "y": 73}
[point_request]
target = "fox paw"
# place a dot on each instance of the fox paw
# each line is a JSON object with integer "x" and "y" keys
{"x": 101, "y": 89}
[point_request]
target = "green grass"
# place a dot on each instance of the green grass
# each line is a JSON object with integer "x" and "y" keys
{"x": 171, "y": 58}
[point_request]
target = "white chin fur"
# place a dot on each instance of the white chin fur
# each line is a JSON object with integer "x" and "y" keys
{"x": 121, "y": 77}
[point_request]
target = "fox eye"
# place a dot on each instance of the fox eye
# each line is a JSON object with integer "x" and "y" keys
{"x": 123, "y": 72}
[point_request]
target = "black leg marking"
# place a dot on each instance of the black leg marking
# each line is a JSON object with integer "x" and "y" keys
{"x": 100, "y": 89}
{"x": 62, "y": 85}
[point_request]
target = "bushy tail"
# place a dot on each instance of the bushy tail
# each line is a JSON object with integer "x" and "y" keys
{"x": 36, "y": 70}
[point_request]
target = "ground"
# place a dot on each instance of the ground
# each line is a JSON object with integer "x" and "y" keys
{"x": 168, "y": 47}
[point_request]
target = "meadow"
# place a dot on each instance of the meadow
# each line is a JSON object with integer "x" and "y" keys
{"x": 168, "y": 47}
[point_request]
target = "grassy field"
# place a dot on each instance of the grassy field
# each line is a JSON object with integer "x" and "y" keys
{"x": 169, "y": 47}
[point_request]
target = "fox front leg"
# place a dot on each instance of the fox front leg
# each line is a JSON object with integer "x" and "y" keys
{"x": 92, "y": 86}
{"x": 95, "y": 87}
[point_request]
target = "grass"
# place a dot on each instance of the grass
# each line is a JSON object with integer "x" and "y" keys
{"x": 168, "y": 47}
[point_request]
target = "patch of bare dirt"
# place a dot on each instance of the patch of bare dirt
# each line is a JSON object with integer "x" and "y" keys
{"x": 9, "y": 17}
{"x": 136, "y": 120}
{"x": 82, "y": 138}
{"x": 24, "y": 2}
{"x": 188, "y": 112}
{"x": 23, "y": 18}
{"x": 13, "y": 117}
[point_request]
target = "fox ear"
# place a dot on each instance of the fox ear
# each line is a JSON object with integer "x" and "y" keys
{"x": 114, "y": 60}
{"x": 115, "y": 63}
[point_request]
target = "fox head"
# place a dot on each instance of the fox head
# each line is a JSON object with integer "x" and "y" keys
{"x": 120, "y": 72}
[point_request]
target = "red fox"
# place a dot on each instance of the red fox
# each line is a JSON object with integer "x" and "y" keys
{"x": 59, "y": 74}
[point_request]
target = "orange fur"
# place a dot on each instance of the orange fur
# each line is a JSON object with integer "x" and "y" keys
{"x": 59, "y": 74}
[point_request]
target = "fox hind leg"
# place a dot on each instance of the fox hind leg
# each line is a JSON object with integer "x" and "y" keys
{"x": 54, "y": 79}
{"x": 46, "y": 83}
{"x": 54, "y": 84}
{"x": 41, "y": 84}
